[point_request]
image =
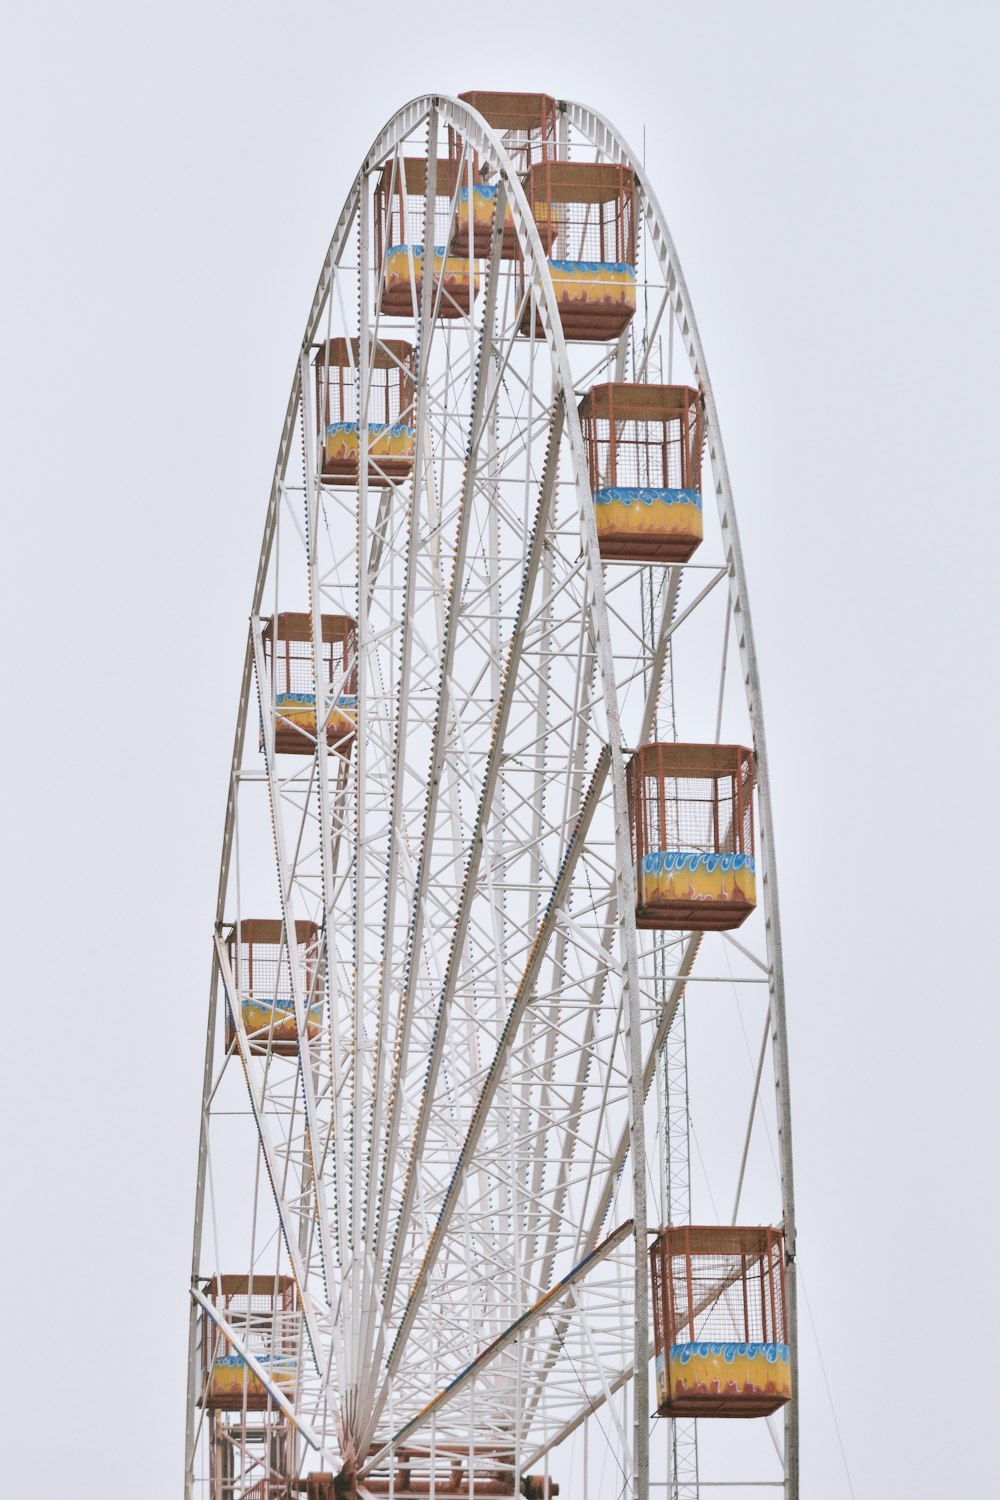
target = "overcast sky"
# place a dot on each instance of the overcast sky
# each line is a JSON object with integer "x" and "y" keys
{"x": 171, "y": 178}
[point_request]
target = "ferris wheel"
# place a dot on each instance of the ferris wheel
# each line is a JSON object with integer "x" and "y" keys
{"x": 494, "y": 1187}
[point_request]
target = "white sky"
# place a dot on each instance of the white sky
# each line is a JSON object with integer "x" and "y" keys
{"x": 172, "y": 176}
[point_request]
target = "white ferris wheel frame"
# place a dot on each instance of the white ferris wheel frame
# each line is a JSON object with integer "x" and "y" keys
{"x": 478, "y": 136}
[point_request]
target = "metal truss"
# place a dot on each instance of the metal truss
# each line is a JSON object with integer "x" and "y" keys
{"x": 440, "y": 1164}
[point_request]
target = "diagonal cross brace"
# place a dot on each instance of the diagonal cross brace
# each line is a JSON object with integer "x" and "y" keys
{"x": 525, "y": 993}
{"x": 472, "y": 1371}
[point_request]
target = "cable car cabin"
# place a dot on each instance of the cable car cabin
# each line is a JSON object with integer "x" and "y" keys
{"x": 527, "y": 124}
{"x": 390, "y": 428}
{"x": 719, "y": 1321}
{"x": 586, "y": 213}
{"x": 691, "y": 818}
{"x": 401, "y": 235}
{"x": 644, "y": 451}
{"x": 262, "y": 1313}
{"x": 288, "y": 645}
{"x": 261, "y": 966}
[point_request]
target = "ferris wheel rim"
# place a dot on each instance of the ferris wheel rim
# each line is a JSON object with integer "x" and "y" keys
{"x": 396, "y": 131}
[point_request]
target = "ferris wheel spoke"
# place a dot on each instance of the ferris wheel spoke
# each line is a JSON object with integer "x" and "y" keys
{"x": 480, "y": 1114}
{"x": 573, "y": 1107}
{"x": 585, "y": 1408}
{"x": 532, "y": 1073}
{"x": 537, "y": 1154}
{"x": 604, "y": 1181}
{"x": 423, "y": 862}
{"x": 464, "y": 908}
{"x": 580, "y": 1316}
{"x": 518, "y": 1330}
{"x": 664, "y": 1019}
{"x": 747, "y": 952}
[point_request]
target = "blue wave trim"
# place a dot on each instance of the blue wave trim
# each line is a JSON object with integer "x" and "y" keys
{"x": 396, "y": 429}
{"x": 418, "y": 250}
{"x": 277, "y": 1002}
{"x": 236, "y": 1361}
{"x": 308, "y": 700}
{"x": 667, "y": 861}
{"x": 773, "y": 1353}
{"x": 593, "y": 265}
{"x": 480, "y": 190}
{"x": 647, "y": 496}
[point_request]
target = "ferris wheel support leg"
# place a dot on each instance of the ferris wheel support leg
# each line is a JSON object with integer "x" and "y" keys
{"x": 190, "y": 1445}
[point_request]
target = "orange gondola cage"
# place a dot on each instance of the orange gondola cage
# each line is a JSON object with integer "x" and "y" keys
{"x": 691, "y": 820}
{"x": 260, "y": 962}
{"x": 401, "y": 238}
{"x": 720, "y": 1321}
{"x": 289, "y": 651}
{"x": 391, "y": 425}
{"x": 262, "y": 1313}
{"x": 587, "y": 213}
{"x": 644, "y": 446}
{"x": 528, "y": 128}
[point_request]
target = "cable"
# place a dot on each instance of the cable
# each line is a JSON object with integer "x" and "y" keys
{"x": 826, "y": 1382}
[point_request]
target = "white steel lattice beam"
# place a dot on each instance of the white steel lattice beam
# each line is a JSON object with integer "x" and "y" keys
{"x": 542, "y": 1307}
{"x": 522, "y": 999}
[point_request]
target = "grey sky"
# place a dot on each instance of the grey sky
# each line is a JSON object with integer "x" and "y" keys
{"x": 172, "y": 178}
